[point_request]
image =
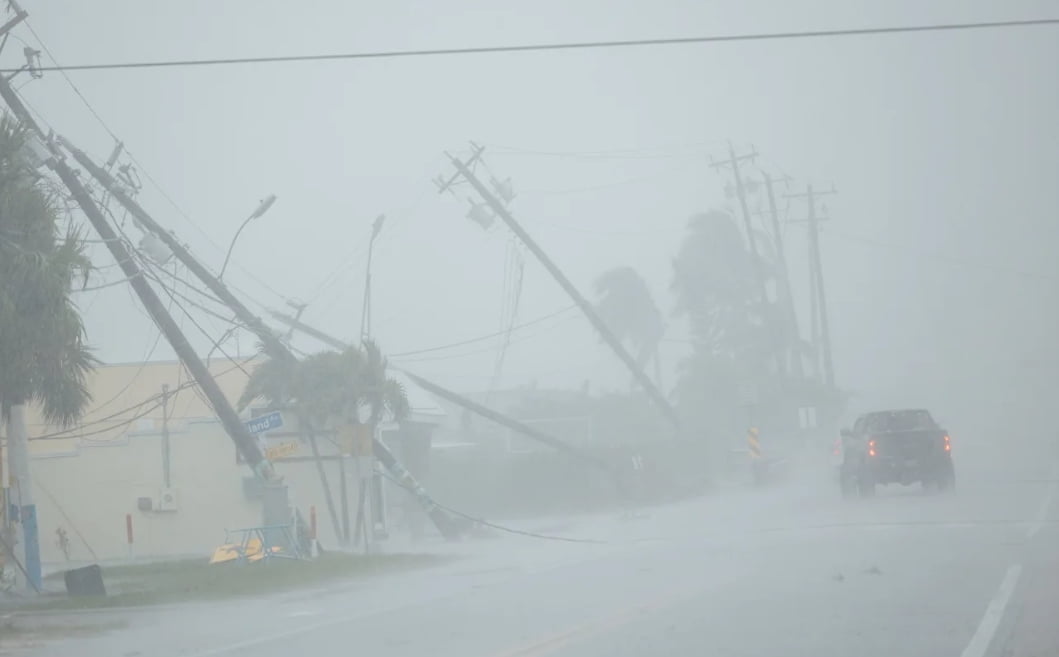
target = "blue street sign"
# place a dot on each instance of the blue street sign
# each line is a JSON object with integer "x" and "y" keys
{"x": 263, "y": 423}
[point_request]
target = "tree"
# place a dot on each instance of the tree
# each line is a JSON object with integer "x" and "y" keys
{"x": 329, "y": 388}
{"x": 735, "y": 332}
{"x": 628, "y": 309}
{"x": 43, "y": 355}
{"x": 715, "y": 286}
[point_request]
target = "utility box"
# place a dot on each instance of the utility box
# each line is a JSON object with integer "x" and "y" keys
{"x": 85, "y": 582}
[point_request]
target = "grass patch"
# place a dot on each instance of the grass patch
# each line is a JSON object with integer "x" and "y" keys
{"x": 26, "y": 633}
{"x": 188, "y": 580}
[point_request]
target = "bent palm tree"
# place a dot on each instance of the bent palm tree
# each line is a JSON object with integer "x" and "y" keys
{"x": 627, "y": 307}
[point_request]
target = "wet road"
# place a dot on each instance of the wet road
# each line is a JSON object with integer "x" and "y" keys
{"x": 788, "y": 570}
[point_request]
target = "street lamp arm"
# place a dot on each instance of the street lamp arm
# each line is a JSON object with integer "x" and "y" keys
{"x": 231, "y": 246}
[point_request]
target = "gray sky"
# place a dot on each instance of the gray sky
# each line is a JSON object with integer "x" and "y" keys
{"x": 943, "y": 147}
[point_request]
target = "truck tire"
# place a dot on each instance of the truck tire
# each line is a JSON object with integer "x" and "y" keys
{"x": 947, "y": 479}
{"x": 866, "y": 485}
{"x": 847, "y": 484}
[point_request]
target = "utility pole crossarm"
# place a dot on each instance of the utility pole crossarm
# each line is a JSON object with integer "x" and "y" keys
{"x": 445, "y": 184}
{"x": 597, "y": 322}
{"x": 733, "y": 159}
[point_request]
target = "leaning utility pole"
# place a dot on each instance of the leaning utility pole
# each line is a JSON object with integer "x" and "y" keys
{"x": 759, "y": 273}
{"x": 273, "y": 346}
{"x": 817, "y": 282}
{"x": 784, "y": 275}
{"x": 460, "y": 400}
{"x": 462, "y": 169}
{"x": 740, "y": 192}
{"x": 244, "y": 442}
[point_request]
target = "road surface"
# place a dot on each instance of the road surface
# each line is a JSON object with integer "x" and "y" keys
{"x": 787, "y": 570}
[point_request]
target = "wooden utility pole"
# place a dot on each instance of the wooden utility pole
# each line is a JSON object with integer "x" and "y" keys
{"x": 593, "y": 317}
{"x": 784, "y": 275}
{"x": 461, "y": 401}
{"x": 759, "y": 273}
{"x": 244, "y": 442}
{"x": 817, "y": 282}
{"x": 740, "y": 192}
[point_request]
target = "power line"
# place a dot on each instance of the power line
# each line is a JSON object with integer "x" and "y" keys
{"x": 69, "y": 81}
{"x": 692, "y": 149}
{"x": 492, "y": 525}
{"x": 960, "y": 262}
{"x": 482, "y": 337}
{"x": 64, "y": 433}
{"x": 139, "y": 166}
{"x": 574, "y": 45}
{"x": 102, "y": 286}
{"x": 484, "y": 350}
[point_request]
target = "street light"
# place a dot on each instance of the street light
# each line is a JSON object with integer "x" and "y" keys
{"x": 365, "y": 311}
{"x": 262, "y": 208}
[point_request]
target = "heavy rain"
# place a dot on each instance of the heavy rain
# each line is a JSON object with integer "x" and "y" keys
{"x": 571, "y": 329}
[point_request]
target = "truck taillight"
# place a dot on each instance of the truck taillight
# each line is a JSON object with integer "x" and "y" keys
{"x": 871, "y": 447}
{"x": 948, "y": 443}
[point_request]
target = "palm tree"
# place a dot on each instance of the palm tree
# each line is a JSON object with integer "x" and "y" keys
{"x": 628, "y": 309}
{"x": 715, "y": 287}
{"x": 330, "y": 388}
{"x": 43, "y": 355}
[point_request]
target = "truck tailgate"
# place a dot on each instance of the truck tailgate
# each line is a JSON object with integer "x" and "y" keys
{"x": 909, "y": 445}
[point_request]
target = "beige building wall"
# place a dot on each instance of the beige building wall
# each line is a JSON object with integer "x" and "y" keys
{"x": 88, "y": 479}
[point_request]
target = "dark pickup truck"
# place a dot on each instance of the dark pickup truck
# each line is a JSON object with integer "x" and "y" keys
{"x": 903, "y": 446}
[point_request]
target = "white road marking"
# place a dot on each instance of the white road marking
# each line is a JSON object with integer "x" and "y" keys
{"x": 994, "y": 613}
{"x": 1042, "y": 513}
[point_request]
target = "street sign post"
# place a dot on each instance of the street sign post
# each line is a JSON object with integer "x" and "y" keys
{"x": 263, "y": 423}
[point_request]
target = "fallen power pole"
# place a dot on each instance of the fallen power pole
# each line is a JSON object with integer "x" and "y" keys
{"x": 273, "y": 346}
{"x": 505, "y": 421}
{"x": 593, "y": 317}
{"x": 233, "y": 426}
{"x": 459, "y": 400}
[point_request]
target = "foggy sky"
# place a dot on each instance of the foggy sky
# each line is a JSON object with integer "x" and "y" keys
{"x": 938, "y": 254}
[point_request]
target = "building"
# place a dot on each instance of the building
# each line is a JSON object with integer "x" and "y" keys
{"x": 115, "y": 469}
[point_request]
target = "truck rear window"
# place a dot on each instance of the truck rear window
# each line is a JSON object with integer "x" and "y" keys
{"x": 899, "y": 421}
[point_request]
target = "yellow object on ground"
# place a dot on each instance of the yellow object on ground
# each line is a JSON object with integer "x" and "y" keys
{"x": 225, "y": 553}
{"x": 251, "y": 551}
